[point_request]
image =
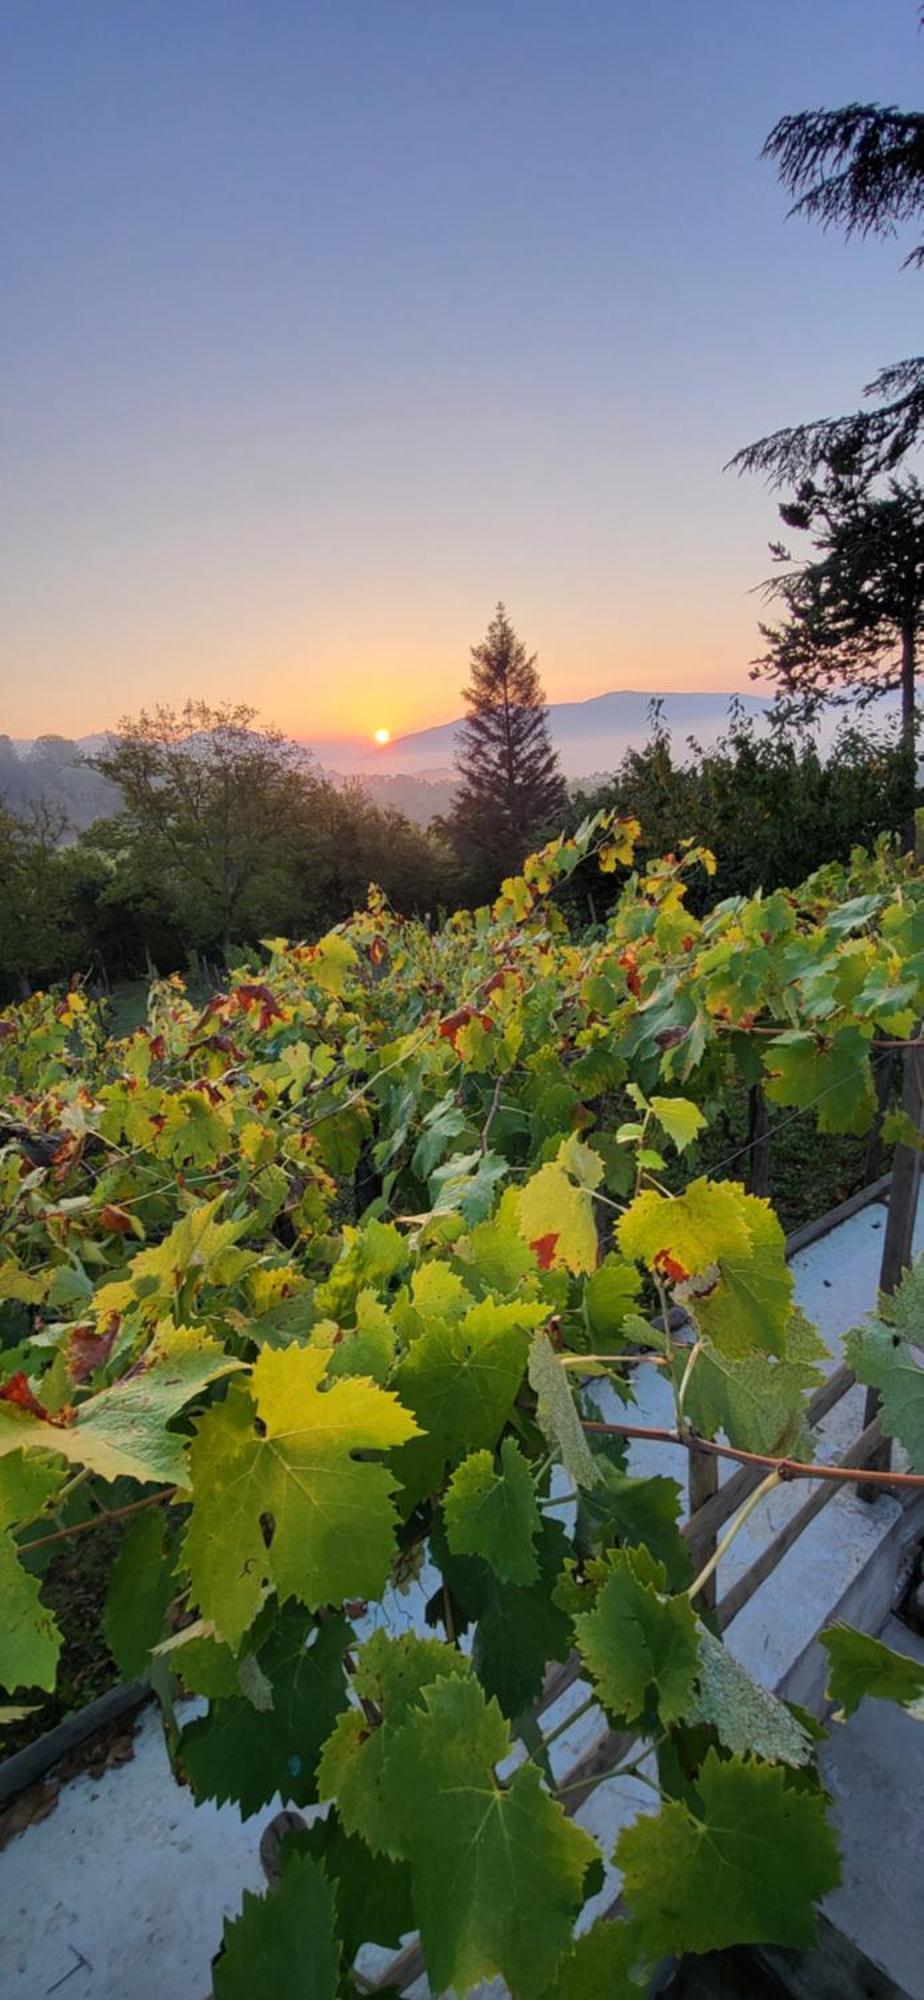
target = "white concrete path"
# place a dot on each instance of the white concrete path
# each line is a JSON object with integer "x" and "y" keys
{"x": 121, "y": 1892}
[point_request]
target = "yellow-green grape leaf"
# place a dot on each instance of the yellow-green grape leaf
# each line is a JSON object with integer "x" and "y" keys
{"x": 580, "y": 1161}
{"x": 332, "y": 959}
{"x": 121, "y": 1433}
{"x": 861, "y": 1665}
{"x": 498, "y": 1873}
{"x": 681, "y": 1235}
{"x": 749, "y": 1305}
{"x": 557, "y": 1415}
{"x": 747, "y": 1867}
{"x": 30, "y": 1640}
{"x": 283, "y": 1943}
{"x": 679, "y": 1118}
{"x": 369, "y": 1347}
{"x": 495, "y": 1514}
{"x": 556, "y": 1218}
{"x": 640, "y": 1647}
{"x": 332, "y": 1512}
{"x": 358, "y": 1766}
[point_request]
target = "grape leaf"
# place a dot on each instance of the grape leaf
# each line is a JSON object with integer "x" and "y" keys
{"x": 758, "y": 1401}
{"x": 746, "y": 1868}
{"x": 552, "y": 1208}
{"x": 373, "y": 1894}
{"x": 640, "y": 1646}
{"x": 120, "y": 1433}
{"x": 609, "y": 1294}
{"x": 282, "y": 1943}
{"x": 332, "y": 1513}
{"x": 638, "y": 1513}
{"x": 141, "y": 1585}
{"x": 680, "y": 1119}
{"x": 882, "y": 1354}
{"x": 30, "y": 1640}
{"x": 556, "y": 1414}
{"x": 358, "y": 1765}
{"x": 692, "y": 1230}
{"x": 801, "y": 1070}
{"x": 861, "y": 1665}
{"x": 748, "y": 1305}
{"x": 460, "y": 1380}
{"x": 495, "y": 1514}
{"x": 249, "y": 1755}
{"x": 599, "y": 1965}
{"x": 498, "y": 1874}
{"x": 746, "y": 1718}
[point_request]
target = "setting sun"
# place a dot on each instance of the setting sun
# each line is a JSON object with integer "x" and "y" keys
{"x": 383, "y": 736}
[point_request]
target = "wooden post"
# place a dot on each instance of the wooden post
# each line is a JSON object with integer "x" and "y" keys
{"x": 903, "y": 1205}
{"x": 703, "y": 1483}
{"x": 874, "y": 1164}
{"x": 758, "y": 1142}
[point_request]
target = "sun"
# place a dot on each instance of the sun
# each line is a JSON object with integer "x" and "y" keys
{"x": 382, "y": 736}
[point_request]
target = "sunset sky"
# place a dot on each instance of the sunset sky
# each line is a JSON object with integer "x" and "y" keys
{"x": 326, "y": 325}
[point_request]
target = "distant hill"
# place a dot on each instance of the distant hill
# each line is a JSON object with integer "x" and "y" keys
{"x": 588, "y": 735}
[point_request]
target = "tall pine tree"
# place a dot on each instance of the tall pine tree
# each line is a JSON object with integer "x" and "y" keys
{"x": 511, "y": 791}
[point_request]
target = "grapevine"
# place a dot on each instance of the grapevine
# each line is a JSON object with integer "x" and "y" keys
{"x": 309, "y": 1291}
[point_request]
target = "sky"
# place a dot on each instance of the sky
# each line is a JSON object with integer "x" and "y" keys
{"x": 327, "y": 325}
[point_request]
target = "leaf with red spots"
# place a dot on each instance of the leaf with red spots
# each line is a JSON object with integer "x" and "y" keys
{"x": 670, "y": 1267}
{"x": 89, "y": 1348}
{"x": 543, "y": 1248}
{"x": 18, "y": 1392}
{"x": 627, "y": 960}
{"x": 117, "y": 1219}
{"x": 250, "y": 996}
{"x": 452, "y": 1024}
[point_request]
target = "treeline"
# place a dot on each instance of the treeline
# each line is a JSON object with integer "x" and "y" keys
{"x": 228, "y": 834}
{"x": 768, "y": 804}
{"x": 225, "y": 833}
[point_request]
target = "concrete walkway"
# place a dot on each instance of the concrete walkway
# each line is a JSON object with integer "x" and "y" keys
{"x": 120, "y": 1893}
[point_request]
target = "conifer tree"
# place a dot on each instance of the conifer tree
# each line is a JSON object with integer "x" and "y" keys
{"x": 510, "y": 791}
{"x": 853, "y": 611}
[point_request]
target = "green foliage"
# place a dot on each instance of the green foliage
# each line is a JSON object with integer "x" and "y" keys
{"x": 861, "y": 1665}
{"x": 284, "y": 1943}
{"x": 746, "y": 1867}
{"x": 316, "y": 1280}
{"x": 885, "y": 1354}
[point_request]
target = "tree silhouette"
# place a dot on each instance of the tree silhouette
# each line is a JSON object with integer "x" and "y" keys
{"x": 511, "y": 789}
{"x": 853, "y": 610}
{"x": 860, "y": 169}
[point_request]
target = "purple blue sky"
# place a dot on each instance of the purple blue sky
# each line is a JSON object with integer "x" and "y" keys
{"x": 328, "y": 322}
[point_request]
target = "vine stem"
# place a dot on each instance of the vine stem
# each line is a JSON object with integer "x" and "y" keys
{"x": 788, "y": 1468}
{"x": 721, "y": 1549}
{"x": 692, "y": 1358}
{"x": 98, "y": 1520}
{"x": 583, "y": 1708}
{"x": 615, "y": 1360}
{"x": 630, "y": 1770}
